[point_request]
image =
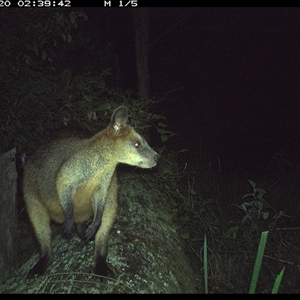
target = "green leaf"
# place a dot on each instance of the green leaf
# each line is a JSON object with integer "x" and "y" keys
{"x": 265, "y": 215}
{"x": 258, "y": 261}
{"x": 231, "y": 232}
{"x": 259, "y": 205}
{"x": 277, "y": 282}
{"x": 193, "y": 192}
{"x": 161, "y": 124}
{"x": 59, "y": 17}
{"x": 164, "y": 138}
{"x": 72, "y": 18}
{"x": 185, "y": 235}
{"x": 27, "y": 60}
{"x": 248, "y": 195}
{"x": 260, "y": 192}
{"x": 69, "y": 38}
{"x": 245, "y": 219}
{"x": 252, "y": 183}
{"x": 156, "y": 117}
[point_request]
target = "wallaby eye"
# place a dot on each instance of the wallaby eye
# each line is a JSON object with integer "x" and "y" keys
{"x": 136, "y": 144}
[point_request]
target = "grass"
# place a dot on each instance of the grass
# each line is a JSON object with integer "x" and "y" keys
{"x": 258, "y": 261}
{"x": 256, "y": 269}
{"x": 232, "y": 215}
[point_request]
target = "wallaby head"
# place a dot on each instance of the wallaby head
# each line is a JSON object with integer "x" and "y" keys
{"x": 129, "y": 147}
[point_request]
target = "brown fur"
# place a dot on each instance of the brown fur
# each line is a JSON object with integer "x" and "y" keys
{"x": 72, "y": 179}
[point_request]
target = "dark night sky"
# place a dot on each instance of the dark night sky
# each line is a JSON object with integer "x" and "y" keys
{"x": 236, "y": 71}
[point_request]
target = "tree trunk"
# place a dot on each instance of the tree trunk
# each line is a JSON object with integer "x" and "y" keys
{"x": 145, "y": 250}
{"x": 141, "y": 28}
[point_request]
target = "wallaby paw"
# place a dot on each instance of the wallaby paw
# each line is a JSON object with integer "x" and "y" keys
{"x": 91, "y": 231}
{"x": 101, "y": 268}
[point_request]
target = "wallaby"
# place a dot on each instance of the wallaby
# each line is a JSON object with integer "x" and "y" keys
{"x": 71, "y": 179}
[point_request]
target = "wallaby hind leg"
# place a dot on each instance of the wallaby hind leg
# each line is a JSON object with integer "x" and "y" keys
{"x": 41, "y": 223}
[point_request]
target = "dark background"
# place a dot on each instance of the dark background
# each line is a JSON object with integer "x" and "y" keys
{"x": 231, "y": 76}
{"x": 228, "y": 77}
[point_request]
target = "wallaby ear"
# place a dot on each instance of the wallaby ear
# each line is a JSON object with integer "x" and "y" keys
{"x": 119, "y": 118}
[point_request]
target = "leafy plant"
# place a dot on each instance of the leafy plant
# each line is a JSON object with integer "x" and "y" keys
{"x": 84, "y": 102}
{"x": 254, "y": 210}
{"x": 37, "y": 41}
{"x": 258, "y": 211}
